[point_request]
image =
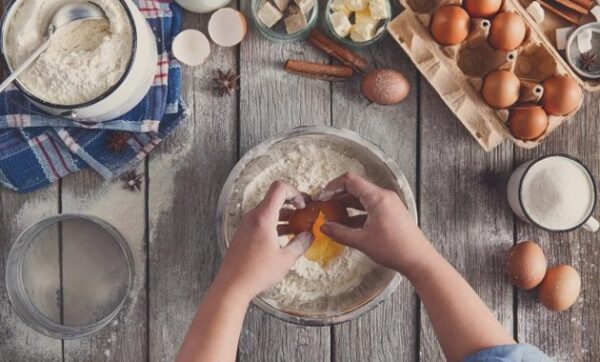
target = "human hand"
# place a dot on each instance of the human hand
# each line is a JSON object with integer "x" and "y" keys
{"x": 387, "y": 233}
{"x": 254, "y": 261}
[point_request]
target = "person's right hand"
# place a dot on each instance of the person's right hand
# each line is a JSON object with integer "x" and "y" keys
{"x": 388, "y": 234}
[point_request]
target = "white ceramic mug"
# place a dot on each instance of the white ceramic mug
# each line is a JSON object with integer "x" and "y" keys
{"x": 515, "y": 196}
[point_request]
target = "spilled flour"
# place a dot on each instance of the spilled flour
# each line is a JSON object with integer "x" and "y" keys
{"x": 310, "y": 168}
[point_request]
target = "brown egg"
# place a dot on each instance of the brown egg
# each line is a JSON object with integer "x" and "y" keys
{"x": 450, "y": 25}
{"x": 560, "y": 288}
{"x": 304, "y": 219}
{"x": 562, "y": 95}
{"x": 501, "y": 89}
{"x": 385, "y": 86}
{"x": 527, "y": 122}
{"x": 526, "y": 265}
{"x": 482, "y": 8}
{"x": 507, "y": 31}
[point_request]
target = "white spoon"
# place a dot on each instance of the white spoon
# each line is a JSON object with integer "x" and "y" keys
{"x": 66, "y": 14}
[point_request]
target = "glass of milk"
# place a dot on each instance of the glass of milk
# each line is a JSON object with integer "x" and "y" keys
{"x": 202, "y": 6}
{"x": 555, "y": 192}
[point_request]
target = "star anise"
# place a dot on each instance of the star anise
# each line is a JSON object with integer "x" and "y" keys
{"x": 226, "y": 82}
{"x": 132, "y": 181}
{"x": 588, "y": 60}
{"x": 118, "y": 141}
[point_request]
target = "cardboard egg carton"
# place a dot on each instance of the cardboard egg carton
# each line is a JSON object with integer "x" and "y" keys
{"x": 457, "y": 72}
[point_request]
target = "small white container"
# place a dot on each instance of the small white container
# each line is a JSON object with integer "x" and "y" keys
{"x": 202, "y": 6}
{"x": 125, "y": 94}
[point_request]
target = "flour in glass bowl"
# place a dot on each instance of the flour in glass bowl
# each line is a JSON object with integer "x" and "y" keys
{"x": 85, "y": 59}
{"x": 310, "y": 168}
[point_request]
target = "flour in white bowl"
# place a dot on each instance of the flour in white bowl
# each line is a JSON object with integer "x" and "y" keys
{"x": 310, "y": 168}
{"x": 84, "y": 60}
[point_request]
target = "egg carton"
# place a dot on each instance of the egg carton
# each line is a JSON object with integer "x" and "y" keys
{"x": 456, "y": 72}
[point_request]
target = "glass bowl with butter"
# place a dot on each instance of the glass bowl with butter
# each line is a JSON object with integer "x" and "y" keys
{"x": 357, "y": 23}
{"x": 285, "y": 20}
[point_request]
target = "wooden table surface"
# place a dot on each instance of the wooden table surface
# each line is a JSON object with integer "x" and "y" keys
{"x": 460, "y": 192}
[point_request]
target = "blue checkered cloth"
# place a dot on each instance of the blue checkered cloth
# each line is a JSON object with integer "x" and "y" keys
{"x": 36, "y": 150}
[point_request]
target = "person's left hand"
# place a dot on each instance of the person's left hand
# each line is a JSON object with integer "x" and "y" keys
{"x": 255, "y": 261}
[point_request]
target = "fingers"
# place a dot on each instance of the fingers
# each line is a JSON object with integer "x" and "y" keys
{"x": 278, "y": 194}
{"x": 299, "y": 245}
{"x": 352, "y": 183}
{"x": 342, "y": 234}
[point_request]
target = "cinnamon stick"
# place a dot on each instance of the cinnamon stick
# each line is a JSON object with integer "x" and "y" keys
{"x": 319, "y": 70}
{"x": 566, "y": 14}
{"x": 588, "y": 4}
{"x": 341, "y": 54}
{"x": 573, "y": 6}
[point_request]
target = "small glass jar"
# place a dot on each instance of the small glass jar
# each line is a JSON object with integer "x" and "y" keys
{"x": 381, "y": 31}
{"x": 278, "y": 33}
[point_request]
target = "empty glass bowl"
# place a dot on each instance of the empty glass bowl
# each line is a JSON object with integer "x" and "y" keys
{"x": 68, "y": 276}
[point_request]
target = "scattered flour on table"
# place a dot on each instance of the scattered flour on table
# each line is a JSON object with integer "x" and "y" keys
{"x": 124, "y": 210}
{"x": 84, "y": 60}
{"x": 310, "y": 168}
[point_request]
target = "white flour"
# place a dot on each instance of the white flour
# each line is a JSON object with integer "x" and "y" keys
{"x": 310, "y": 168}
{"x": 557, "y": 193}
{"x": 84, "y": 60}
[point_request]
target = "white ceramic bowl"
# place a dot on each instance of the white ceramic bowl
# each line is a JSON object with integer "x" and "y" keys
{"x": 125, "y": 94}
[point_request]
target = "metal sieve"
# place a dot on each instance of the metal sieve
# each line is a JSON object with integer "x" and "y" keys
{"x": 376, "y": 286}
{"x": 68, "y": 276}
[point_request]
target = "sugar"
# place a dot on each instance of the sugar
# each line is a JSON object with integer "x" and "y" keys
{"x": 557, "y": 193}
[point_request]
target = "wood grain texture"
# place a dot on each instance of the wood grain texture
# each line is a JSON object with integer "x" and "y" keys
{"x": 388, "y": 333}
{"x": 571, "y": 335}
{"x": 125, "y": 337}
{"x": 18, "y": 342}
{"x": 464, "y": 209}
{"x": 273, "y": 102}
{"x": 185, "y": 178}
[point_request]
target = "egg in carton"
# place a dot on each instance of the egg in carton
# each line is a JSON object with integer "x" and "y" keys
{"x": 495, "y": 85}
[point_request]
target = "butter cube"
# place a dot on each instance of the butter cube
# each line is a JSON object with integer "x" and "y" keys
{"x": 340, "y": 5}
{"x": 295, "y": 23}
{"x": 379, "y": 9}
{"x": 562, "y": 35}
{"x": 362, "y": 32}
{"x": 596, "y": 12}
{"x": 305, "y": 5}
{"x": 357, "y": 5}
{"x": 268, "y": 14}
{"x": 281, "y": 4}
{"x": 584, "y": 41}
{"x": 341, "y": 23}
{"x": 536, "y": 11}
{"x": 364, "y": 16}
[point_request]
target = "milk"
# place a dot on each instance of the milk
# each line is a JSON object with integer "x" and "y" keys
{"x": 556, "y": 193}
{"x": 202, "y": 6}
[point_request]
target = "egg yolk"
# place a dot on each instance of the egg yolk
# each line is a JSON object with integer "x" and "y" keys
{"x": 323, "y": 249}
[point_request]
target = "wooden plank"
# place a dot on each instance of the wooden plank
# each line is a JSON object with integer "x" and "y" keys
{"x": 464, "y": 209}
{"x": 571, "y": 335}
{"x": 388, "y": 333}
{"x": 125, "y": 337}
{"x": 186, "y": 175}
{"x": 17, "y": 212}
{"x": 273, "y": 102}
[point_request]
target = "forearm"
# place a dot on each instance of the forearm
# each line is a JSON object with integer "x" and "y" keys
{"x": 461, "y": 320}
{"x": 215, "y": 330}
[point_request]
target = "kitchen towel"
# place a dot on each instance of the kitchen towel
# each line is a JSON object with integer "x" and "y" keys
{"x": 36, "y": 150}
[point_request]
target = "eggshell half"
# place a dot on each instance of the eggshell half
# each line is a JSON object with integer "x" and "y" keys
{"x": 227, "y": 27}
{"x": 191, "y": 47}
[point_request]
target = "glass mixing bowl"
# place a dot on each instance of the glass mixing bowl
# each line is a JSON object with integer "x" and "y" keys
{"x": 376, "y": 286}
